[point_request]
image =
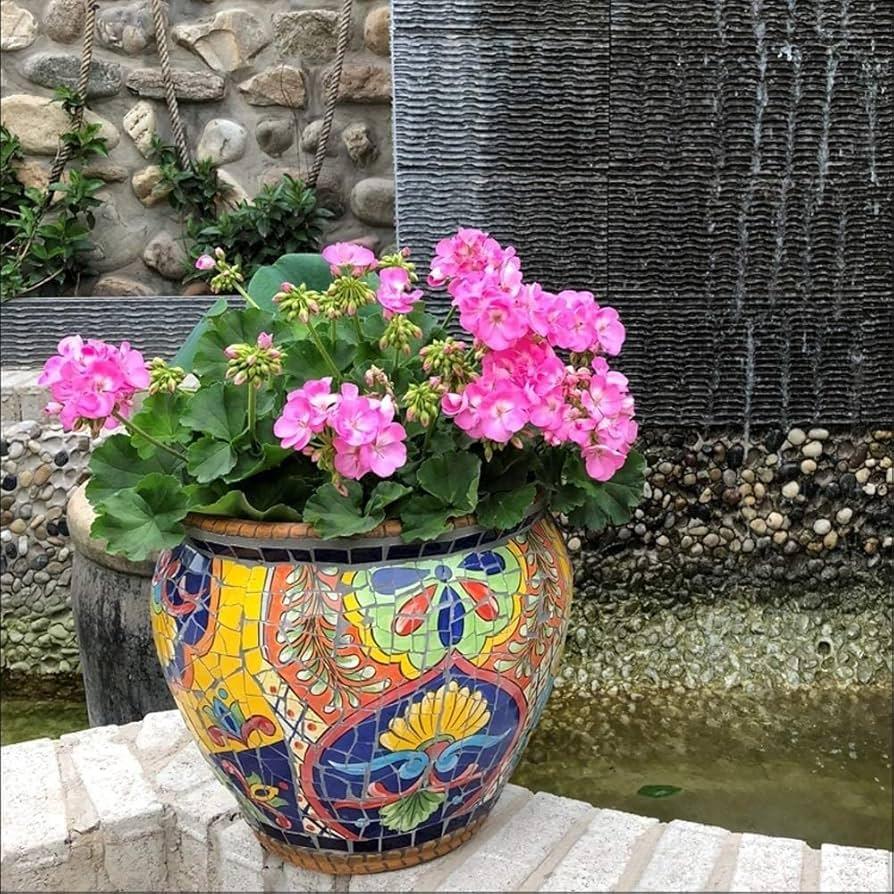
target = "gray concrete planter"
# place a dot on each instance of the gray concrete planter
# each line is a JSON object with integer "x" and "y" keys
{"x": 110, "y": 603}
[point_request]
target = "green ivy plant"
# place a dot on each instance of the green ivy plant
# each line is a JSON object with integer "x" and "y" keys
{"x": 209, "y": 447}
{"x": 45, "y": 233}
{"x": 284, "y": 218}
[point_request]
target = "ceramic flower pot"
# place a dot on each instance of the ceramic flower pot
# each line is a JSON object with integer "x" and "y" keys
{"x": 365, "y": 700}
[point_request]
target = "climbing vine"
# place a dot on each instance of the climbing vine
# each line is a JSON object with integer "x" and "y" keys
{"x": 45, "y": 232}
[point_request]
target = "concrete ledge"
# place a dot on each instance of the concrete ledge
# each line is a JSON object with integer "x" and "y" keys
{"x": 135, "y": 808}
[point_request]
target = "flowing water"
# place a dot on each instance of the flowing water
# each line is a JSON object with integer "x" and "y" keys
{"x": 810, "y": 764}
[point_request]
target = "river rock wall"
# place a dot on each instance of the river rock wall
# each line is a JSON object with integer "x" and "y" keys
{"x": 769, "y": 562}
{"x": 250, "y": 79}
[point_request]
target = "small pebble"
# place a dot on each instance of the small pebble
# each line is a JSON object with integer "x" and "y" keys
{"x": 796, "y": 437}
{"x": 812, "y": 449}
{"x": 843, "y": 516}
{"x": 790, "y": 489}
{"x": 822, "y": 526}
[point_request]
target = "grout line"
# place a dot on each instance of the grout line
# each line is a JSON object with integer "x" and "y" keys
{"x": 540, "y": 873}
{"x": 721, "y": 876}
{"x": 642, "y": 852}
{"x": 810, "y": 869}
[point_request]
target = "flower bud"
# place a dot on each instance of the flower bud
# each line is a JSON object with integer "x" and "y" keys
{"x": 297, "y": 303}
{"x": 256, "y": 364}
{"x": 163, "y": 377}
{"x": 399, "y": 332}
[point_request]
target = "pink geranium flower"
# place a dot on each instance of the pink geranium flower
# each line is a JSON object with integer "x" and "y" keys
{"x": 93, "y": 381}
{"x": 205, "y": 262}
{"x": 356, "y": 419}
{"x": 394, "y": 293}
{"x": 496, "y": 319}
{"x": 610, "y": 331}
{"x": 347, "y": 257}
{"x": 387, "y": 452}
{"x": 305, "y": 414}
{"x": 575, "y": 328}
{"x": 503, "y": 414}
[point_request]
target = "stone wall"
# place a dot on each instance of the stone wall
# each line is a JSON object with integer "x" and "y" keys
{"x": 250, "y": 80}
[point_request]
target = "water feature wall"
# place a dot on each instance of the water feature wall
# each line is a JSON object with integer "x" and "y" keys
{"x": 720, "y": 171}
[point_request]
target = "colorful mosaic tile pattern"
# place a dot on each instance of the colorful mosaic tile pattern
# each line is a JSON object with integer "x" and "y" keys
{"x": 368, "y": 707}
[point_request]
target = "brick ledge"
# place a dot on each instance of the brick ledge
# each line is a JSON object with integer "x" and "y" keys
{"x": 107, "y": 809}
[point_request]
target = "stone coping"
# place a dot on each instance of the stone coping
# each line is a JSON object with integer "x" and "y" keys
{"x": 136, "y": 808}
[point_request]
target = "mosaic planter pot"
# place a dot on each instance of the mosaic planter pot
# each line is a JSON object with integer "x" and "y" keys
{"x": 365, "y": 700}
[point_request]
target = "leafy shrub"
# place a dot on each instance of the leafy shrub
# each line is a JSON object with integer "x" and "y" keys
{"x": 284, "y": 218}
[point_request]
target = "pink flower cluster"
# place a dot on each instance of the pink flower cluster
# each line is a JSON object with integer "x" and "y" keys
{"x": 361, "y": 428}
{"x": 524, "y": 385}
{"x": 92, "y": 380}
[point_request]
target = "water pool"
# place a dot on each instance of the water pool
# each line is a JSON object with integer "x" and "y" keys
{"x": 810, "y": 764}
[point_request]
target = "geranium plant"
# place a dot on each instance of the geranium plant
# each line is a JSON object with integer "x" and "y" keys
{"x": 330, "y": 395}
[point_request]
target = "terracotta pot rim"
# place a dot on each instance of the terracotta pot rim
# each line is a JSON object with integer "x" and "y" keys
{"x": 263, "y": 530}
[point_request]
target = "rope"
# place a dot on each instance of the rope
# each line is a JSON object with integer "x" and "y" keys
{"x": 332, "y": 86}
{"x": 77, "y": 117}
{"x": 161, "y": 42}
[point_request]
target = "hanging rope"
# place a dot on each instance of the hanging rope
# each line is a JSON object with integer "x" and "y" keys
{"x": 77, "y": 116}
{"x": 333, "y": 83}
{"x": 161, "y": 41}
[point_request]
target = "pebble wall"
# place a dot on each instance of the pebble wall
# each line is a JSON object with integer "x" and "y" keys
{"x": 249, "y": 77}
{"x": 771, "y": 564}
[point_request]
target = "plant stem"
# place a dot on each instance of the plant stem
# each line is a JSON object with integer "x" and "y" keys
{"x": 252, "y": 409}
{"x": 428, "y": 433}
{"x": 327, "y": 357}
{"x": 248, "y": 299}
{"x": 450, "y": 315}
{"x": 136, "y": 430}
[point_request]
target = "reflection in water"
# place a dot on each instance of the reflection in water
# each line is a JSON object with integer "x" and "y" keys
{"x": 803, "y": 764}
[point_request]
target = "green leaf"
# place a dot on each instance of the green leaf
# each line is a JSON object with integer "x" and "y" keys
{"x": 334, "y": 515}
{"x": 659, "y": 791}
{"x": 142, "y": 519}
{"x": 249, "y": 464}
{"x": 219, "y": 411}
{"x": 453, "y": 479}
{"x": 304, "y": 360}
{"x": 160, "y": 416}
{"x": 609, "y": 502}
{"x": 235, "y": 504}
{"x": 116, "y": 465}
{"x": 185, "y": 356}
{"x": 210, "y": 459}
{"x": 407, "y": 813}
{"x": 423, "y": 517}
{"x": 504, "y": 509}
{"x": 309, "y": 269}
{"x": 384, "y": 495}
{"x": 231, "y": 327}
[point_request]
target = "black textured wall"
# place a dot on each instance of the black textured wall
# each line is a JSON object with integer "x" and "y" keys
{"x": 719, "y": 171}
